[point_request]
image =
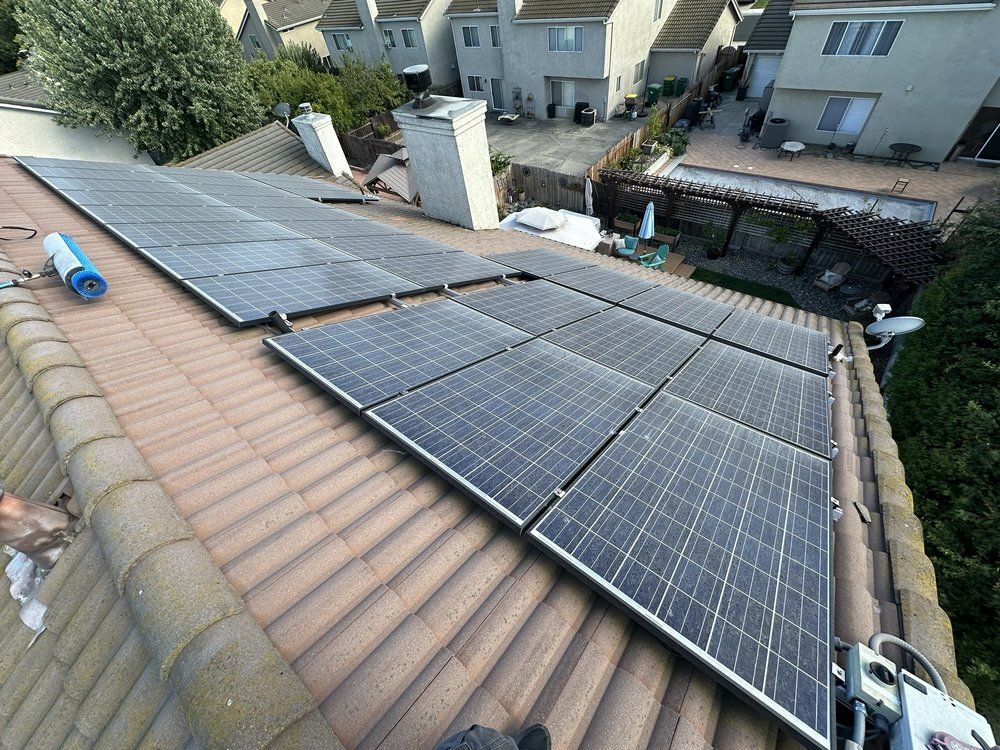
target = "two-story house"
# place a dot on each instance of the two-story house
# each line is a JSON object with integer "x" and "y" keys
{"x": 405, "y": 32}
{"x": 524, "y": 55}
{"x": 881, "y": 72}
{"x": 262, "y": 27}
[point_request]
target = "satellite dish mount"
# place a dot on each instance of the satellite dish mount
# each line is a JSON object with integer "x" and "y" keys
{"x": 886, "y": 329}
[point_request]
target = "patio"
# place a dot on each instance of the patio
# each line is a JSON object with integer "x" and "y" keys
{"x": 558, "y": 144}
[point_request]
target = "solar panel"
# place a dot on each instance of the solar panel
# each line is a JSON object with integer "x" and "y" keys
{"x": 718, "y": 537}
{"x": 192, "y": 261}
{"x": 389, "y": 246}
{"x": 303, "y": 210}
{"x": 116, "y": 184}
{"x": 247, "y": 298}
{"x": 645, "y": 349}
{"x": 367, "y": 360}
{"x": 691, "y": 311}
{"x": 541, "y": 262}
{"x": 785, "y": 341}
{"x": 270, "y": 200}
{"x": 86, "y": 198}
{"x": 167, "y": 215}
{"x": 204, "y": 233}
{"x": 310, "y": 188}
{"x": 603, "y": 283}
{"x": 777, "y": 398}
{"x": 535, "y": 306}
{"x": 344, "y": 229}
{"x": 514, "y": 428}
{"x": 436, "y": 271}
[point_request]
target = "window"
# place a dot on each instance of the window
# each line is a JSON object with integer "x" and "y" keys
{"x": 409, "y": 38}
{"x": 471, "y": 36}
{"x": 342, "y": 42}
{"x": 657, "y": 9}
{"x": 565, "y": 38}
{"x": 476, "y": 83}
{"x": 618, "y": 84}
{"x": 389, "y": 38}
{"x": 255, "y": 41}
{"x": 861, "y": 38}
{"x": 844, "y": 114}
{"x": 563, "y": 93}
{"x": 495, "y": 36}
{"x": 640, "y": 71}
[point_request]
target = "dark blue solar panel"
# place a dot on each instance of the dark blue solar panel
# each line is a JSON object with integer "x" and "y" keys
{"x": 192, "y": 261}
{"x": 690, "y": 311}
{"x": 776, "y": 338}
{"x": 603, "y": 283}
{"x": 536, "y": 306}
{"x": 444, "y": 269}
{"x": 541, "y": 262}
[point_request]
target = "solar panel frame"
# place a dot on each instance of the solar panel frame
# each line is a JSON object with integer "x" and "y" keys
{"x": 534, "y": 306}
{"x": 310, "y": 211}
{"x": 367, "y": 360}
{"x": 474, "y": 427}
{"x": 200, "y": 233}
{"x": 86, "y": 198}
{"x": 784, "y": 401}
{"x": 645, "y": 349}
{"x": 346, "y": 229}
{"x": 778, "y": 339}
{"x": 656, "y": 462}
{"x": 691, "y": 311}
{"x": 603, "y": 283}
{"x": 540, "y": 262}
{"x": 166, "y": 215}
{"x": 443, "y": 269}
{"x": 197, "y": 261}
{"x": 388, "y": 246}
{"x": 248, "y": 298}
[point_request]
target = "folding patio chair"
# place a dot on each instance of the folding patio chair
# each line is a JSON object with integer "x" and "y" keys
{"x": 655, "y": 260}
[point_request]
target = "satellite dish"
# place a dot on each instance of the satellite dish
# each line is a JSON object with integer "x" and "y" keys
{"x": 895, "y": 326}
{"x": 282, "y": 110}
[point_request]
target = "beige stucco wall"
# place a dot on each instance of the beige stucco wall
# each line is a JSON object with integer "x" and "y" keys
{"x": 26, "y": 132}
{"x": 306, "y": 33}
{"x": 927, "y": 89}
{"x": 677, "y": 64}
{"x": 232, "y": 11}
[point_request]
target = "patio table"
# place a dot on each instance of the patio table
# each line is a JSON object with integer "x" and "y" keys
{"x": 901, "y": 152}
{"x": 792, "y": 148}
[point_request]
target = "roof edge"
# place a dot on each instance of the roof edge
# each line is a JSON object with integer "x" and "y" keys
{"x": 234, "y": 686}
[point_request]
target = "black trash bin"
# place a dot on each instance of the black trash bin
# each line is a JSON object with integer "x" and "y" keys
{"x": 551, "y": 111}
{"x": 580, "y": 106}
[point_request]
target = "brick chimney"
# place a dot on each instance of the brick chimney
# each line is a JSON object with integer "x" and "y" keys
{"x": 320, "y": 139}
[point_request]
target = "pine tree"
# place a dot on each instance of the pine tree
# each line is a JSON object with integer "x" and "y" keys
{"x": 167, "y": 75}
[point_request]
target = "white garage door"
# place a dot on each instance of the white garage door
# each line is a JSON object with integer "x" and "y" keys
{"x": 765, "y": 70}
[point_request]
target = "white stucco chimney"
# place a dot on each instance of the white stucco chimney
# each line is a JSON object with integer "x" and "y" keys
{"x": 320, "y": 139}
{"x": 449, "y": 155}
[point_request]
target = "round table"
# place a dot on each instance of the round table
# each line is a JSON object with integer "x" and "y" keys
{"x": 901, "y": 152}
{"x": 793, "y": 148}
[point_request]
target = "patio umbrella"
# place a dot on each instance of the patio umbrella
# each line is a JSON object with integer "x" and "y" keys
{"x": 541, "y": 218}
{"x": 648, "y": 226}
{"x": 588, "y": 197}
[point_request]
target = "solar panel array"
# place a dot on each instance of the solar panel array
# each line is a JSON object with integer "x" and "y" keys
{"x": 535, "y": 306}
{"x": 776, "y": 338}
{"x": 603, "y": 283}
{"x": 689, "y": 311}
{"x": 541, "y": 262}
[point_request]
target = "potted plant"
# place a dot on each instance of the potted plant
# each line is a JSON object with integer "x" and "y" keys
{"x": 666, "y": 236}
{"x": 521, "y": 195}
{"x": 714, "y": 237}
{"x": 789, "y": 264}
{"x": 648, "y": 146}
{"x": 626, "y": 222}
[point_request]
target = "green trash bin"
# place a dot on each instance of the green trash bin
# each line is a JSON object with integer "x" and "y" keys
{"x": 668, "y": 85}
{"x": 680, "y": 87}
{"x": 729, "y": 78}
{"x": 652, "y": 94}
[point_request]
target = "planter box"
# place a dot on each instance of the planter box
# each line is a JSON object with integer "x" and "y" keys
{"x": 625, "y": 226}
{"x": 668, "y": 238}
{"x": 659, "y": 163}
{"x": 647, "y": 147}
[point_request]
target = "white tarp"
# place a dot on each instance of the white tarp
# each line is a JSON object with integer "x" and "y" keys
{"x": 578, "y": 230}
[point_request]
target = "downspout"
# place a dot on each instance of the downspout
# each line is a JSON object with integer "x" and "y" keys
{"x": 609, "y": 24}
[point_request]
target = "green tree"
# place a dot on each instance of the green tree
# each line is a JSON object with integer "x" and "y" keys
{"x": 281, "y": 80}
{"x": 944, "y": 406}
{"x": 302, "y": 55}
{"x": 8, "y": 36}
{"x": 167, "y": 75}
{"x": 372, "y": 89}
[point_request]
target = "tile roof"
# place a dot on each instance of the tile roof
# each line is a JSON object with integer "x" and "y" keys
{"x": 772, "y": 30}
{"x": 403, "y": 607}
{"x": 542, "y": 9}
{"x": 20, "y": 88}
{"x": 286, "y": 14}
{"x": 341, "y": 14}
{"x": 471, "y": 6}
{"x": 389, "y": 9}
{"x": 690, "y": 23}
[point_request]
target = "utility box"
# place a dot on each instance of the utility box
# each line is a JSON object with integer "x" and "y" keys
{"x": 927, "y": 711}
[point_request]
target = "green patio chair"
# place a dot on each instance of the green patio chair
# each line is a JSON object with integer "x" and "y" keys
{"x": 631, "y": 245}
{"x": 655, "y": 260}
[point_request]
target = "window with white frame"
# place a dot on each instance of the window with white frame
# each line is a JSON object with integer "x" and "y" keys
{"x": 657, "y": 9}
{"x": 409, "y": 38}
{"x": 495, "y": 35}
{"x": 845, "y": 114}
{"x": 565, "y": 38}
{"x": 861, "y": 38}
{"x": 563, "y": 93}
{"x": 343, "y": 42}
{"x": 640, "y": 71}
{"x": 476, "y": 84}
{"x": 389, "y": 38}
{"x": 470, "y": 34}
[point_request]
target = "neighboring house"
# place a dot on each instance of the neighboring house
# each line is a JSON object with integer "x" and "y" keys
{"x": 30, "y": 128}
{"x": 262, "y": 27}
{"x": 877, "y": 72}
{"x": 557, "y": 52}
{"x": 691, "y": 38}
{"x": 766, "y": 45}
{"x": 405, "y": 32}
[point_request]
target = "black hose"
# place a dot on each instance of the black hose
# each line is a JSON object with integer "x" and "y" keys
{"x": 875, "y": 644}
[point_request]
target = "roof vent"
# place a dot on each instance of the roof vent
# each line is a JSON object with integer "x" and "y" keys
{"x": 418, "y": 80}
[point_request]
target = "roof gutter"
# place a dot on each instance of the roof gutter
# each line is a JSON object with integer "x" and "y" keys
{"x": 692, "y": 50}
{"x": 340, "y": 28}
{"x": 594, "y": 19}
{"x": 472, "y": 14}
{"x": 297, "y": 24}
{"x": 379, "y": 19}
{"x": 28, "y": 108}
{"x": 892, "y": 9}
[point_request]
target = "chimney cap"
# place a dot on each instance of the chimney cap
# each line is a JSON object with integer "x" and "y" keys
{"x": 305, "y": 108}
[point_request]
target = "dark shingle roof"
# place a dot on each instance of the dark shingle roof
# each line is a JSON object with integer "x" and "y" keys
{"x": 471, "y": 6}
{"x": 20, "y": 88}
{"x": 690, "y": 23}
{"x": 284, "y": 14}
{"x": 542, "y": 9}
{"x": 773, "y": 28}
{"x": 341, "y": 14}
{"x": 389, "y": 9}
{"x": 816, "y": 4}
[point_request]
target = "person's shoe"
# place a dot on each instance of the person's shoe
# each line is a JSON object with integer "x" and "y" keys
{"x": 535, "y": 737}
